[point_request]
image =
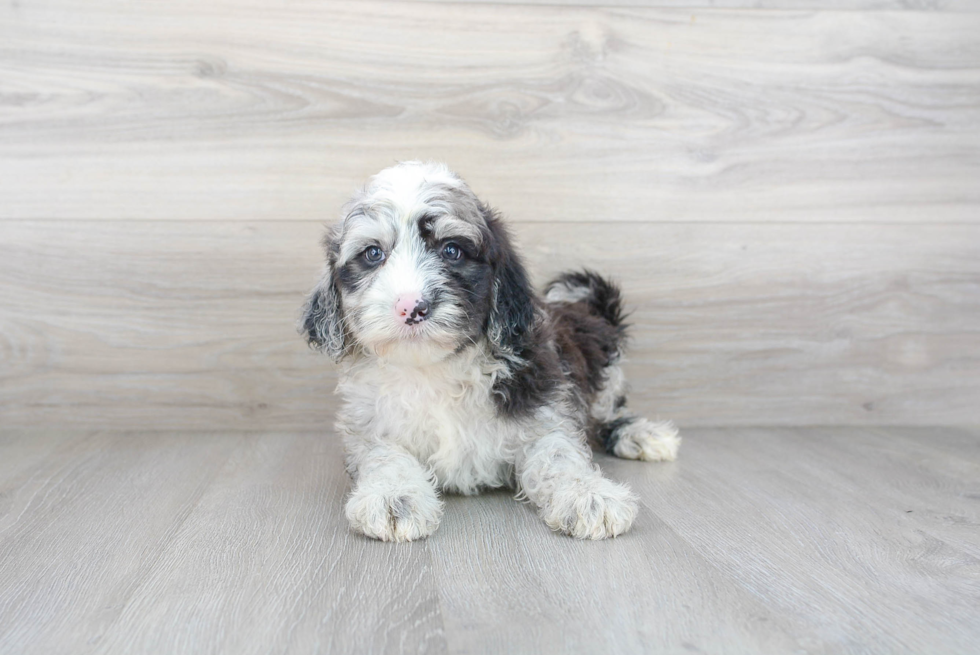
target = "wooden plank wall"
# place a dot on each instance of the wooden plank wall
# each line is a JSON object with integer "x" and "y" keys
{"x": 789, "y": 195}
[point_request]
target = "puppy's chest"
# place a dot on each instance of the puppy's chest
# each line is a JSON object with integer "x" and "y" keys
{"x": 449, "y": 422}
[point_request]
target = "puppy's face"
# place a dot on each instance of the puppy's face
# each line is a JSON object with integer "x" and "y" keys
{"x": 412, "y": 270}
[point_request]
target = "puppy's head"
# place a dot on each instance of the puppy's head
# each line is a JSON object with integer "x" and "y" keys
{"x": 418, "y": 269}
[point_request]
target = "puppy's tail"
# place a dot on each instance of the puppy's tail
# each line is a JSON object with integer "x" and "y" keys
{"x": 602, "y": 297}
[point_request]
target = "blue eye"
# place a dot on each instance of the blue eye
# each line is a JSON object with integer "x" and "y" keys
{"x": 374, "y": 255}
{"x": 451, "y": 251}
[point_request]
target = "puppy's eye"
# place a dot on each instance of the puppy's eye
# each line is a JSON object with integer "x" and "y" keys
{"x": 374, "y": 255}
{"x": 451, "y": 251}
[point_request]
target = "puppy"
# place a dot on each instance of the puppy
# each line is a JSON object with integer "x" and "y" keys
{"x": 456, "y": 377}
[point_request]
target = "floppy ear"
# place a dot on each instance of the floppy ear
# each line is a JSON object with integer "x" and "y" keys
{"x": 322, "y": 323}
{"x": 533, "y": 371}
{"x": 511, "y": 320}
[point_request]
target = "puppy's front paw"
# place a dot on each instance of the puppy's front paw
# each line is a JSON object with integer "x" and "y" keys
{"x": 653, "y": 441}
{"x": 596, "y": 508}
{"x": 394, "y": 515}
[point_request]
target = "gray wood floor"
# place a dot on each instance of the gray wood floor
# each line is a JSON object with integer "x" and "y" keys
{"x": 834, "y": 540}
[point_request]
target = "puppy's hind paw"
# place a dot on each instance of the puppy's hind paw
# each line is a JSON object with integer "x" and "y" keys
{"x": 651, "y": 441}
{"x": 597, "y": 509}
{"x": 402, "y": 515}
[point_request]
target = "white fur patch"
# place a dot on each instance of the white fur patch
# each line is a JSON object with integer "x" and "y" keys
{"x": 562, "y": 292}
{"x": 403, "y": 187}
{"x": 613, "y": 389}
{"x": 571, "y": 494}
{"x": 651, "y": 441}
{"x": 441, "y": 413}
{"x": 397, "y": 501}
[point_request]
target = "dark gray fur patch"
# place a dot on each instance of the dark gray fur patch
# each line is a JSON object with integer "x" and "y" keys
{"x": 609, "y": 433}
{"x": 604, "y": 298}
{"x": 519, "y": 334}
{"x": 591, "y": 333}
{"x": 590, "y": 336}
{"x": 322, "y": 323}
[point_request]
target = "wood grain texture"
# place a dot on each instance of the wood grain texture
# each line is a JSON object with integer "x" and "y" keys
{"x": 265, "y": 564}
{"x": 191, "y": 325}
{"x": 803, "y": 515}
{"x": 246, "y": 110}
{"x": 808, "y": 5}
{"x": 650, "y": 593}
{"x": 755, "y": 541}
{"x": 82, "y": 527}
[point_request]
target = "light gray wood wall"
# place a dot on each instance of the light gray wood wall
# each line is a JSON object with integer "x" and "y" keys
{"x": 789, "y": 196}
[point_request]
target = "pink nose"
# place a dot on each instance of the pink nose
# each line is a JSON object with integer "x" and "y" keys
{"x": 411, "y": 308}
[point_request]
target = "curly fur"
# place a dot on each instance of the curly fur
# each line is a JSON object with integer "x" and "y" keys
{"x": 485, "y": 384}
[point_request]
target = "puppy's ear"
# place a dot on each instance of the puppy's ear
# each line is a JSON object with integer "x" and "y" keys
{"x": 322, "y": 323}
{"x": 510, "y": 324}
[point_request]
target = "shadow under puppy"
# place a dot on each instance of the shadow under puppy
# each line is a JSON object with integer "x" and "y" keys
{"x": 456, "y": 376}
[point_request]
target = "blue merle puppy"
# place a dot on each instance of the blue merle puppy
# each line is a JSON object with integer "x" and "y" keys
{"x": 455, "y": 376}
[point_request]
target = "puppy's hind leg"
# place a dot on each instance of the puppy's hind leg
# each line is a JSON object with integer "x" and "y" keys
{"x": 556, "y": 473}
{"x": 623, "y": 433}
